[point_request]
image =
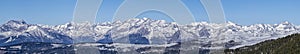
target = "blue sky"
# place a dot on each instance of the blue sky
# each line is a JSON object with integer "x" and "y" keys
{"x": 244, "y": 12}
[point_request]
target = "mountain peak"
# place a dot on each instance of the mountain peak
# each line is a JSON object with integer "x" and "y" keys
{"x": 286, "y": 23}
{"x": 16, "y": 22}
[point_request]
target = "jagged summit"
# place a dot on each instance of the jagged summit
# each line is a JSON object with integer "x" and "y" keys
{"x": 16, "y": 22}
{"x": 143, "y": 31}
{"x": 286, "y": 23}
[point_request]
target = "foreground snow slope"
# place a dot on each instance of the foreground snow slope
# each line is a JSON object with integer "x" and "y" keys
{"x": 143, "y": 31}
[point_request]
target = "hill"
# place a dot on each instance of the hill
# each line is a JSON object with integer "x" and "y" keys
{"x": 287, "y": 45}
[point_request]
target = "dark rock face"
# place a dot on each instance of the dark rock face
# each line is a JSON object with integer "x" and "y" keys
{"x": 106, "y": 40}
{"x": 175, "y": 37}
{"x": 204, "y": 32}
{"x": 138, "y": 39}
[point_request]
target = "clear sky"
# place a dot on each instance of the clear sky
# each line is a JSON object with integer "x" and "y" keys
{"x": 244, "y": 12}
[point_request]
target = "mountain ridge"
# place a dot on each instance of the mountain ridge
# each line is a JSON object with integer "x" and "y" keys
{"x": 151, "y": 31}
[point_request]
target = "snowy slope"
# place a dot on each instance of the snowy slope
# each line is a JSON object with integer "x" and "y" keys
{"x": 15, "y": 32}
{"x": 144, "y": 31}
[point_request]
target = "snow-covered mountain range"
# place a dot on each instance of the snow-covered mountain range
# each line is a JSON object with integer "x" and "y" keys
{"x": 144, "y": 31}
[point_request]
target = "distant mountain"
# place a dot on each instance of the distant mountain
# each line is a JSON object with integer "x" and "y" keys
{"x": 16, "y": 32}
{"x": 286, "y": 45}
{"x": 144, "y": 31}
